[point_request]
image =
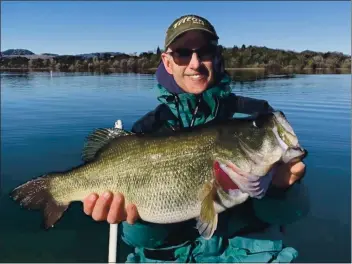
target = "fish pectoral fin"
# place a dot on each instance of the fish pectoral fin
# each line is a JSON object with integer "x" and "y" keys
{"x": 207, "y": 229}
{"x": 208, "y": 220}
{"x": 98, "y": 139}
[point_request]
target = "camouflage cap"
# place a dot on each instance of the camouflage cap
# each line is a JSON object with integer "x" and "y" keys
{"x": 187, "y": 23}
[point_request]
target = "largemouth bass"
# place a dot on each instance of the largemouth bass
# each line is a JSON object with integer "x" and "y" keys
{"x": 170, "y": 178}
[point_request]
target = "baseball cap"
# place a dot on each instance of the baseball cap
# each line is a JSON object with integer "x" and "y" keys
{"x": 186, "y": 23}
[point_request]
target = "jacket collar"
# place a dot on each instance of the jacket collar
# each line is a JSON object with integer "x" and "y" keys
{"x": 166, "y": 80}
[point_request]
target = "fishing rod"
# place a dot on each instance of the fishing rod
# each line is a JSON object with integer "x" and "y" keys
{"x": 113, "y": 228}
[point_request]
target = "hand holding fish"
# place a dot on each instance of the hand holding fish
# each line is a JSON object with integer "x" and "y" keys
{"x": 286, "y": 174}
{"x": 109, "y": 207}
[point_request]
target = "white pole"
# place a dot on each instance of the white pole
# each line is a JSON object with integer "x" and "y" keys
{"x": 113, "y": 227}
{"x": 113, "y": 242}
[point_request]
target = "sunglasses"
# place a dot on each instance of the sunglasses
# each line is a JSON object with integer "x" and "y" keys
{"x": 184, "y": 55}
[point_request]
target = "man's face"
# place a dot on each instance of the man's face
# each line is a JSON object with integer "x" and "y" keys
{"x": 192, "y": 72}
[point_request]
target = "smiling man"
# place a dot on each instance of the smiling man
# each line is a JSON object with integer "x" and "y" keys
{"x": 194, "y": 90}
{"x": 190, "y": 60}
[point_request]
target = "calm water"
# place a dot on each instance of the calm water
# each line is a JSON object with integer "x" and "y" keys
{"x": 44, "y": 121}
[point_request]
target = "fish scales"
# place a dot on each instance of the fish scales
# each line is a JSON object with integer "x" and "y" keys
{"x": 159, "y": 190}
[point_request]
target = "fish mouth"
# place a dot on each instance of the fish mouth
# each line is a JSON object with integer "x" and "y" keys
{"x": 233, "y": 180}
{"x": 294, "y": 154}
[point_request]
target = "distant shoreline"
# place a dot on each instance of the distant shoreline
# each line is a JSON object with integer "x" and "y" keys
{"x": 152, "y": 70}
{"x": 253, "y": 59}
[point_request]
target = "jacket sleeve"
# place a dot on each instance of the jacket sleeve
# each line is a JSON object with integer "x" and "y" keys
{"x": 154, "y": 121}
{"x": 247, "y": 105}
{"x": 146, "y": 123}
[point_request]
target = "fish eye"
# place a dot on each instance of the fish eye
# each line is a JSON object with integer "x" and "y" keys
{"x": 258, "y": 123}
{"x": 262, "y": 120}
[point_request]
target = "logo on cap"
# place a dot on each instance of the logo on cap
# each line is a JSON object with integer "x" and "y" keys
{"x": 194, "y": 20}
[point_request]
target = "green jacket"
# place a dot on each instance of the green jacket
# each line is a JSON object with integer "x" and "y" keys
{"x": 148, "y": 242}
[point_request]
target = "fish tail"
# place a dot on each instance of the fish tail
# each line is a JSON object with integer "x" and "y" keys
{"x": 35, "y": 195}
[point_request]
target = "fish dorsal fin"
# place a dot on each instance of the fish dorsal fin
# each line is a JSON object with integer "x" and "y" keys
{"x": 99, "y": 138}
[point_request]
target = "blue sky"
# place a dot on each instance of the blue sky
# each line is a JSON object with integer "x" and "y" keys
{"x": 82, "y": 27}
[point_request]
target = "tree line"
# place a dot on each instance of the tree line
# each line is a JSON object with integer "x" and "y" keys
{"x": 235, "y": 57}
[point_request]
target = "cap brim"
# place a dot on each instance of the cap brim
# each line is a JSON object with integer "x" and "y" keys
{"x": 189, "y": 29}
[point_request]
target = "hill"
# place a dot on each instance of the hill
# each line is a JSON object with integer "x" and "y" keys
{"x": 98, "y": 54}
{"x": 16, "y": 52}
{"x": 50, "y": 54}
{"x": 31, "y": 55}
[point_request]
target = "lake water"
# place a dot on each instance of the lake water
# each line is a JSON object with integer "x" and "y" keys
{"x": 46, "y": 119}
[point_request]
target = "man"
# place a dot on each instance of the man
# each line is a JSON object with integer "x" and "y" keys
{"x": 195, "y": 90}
